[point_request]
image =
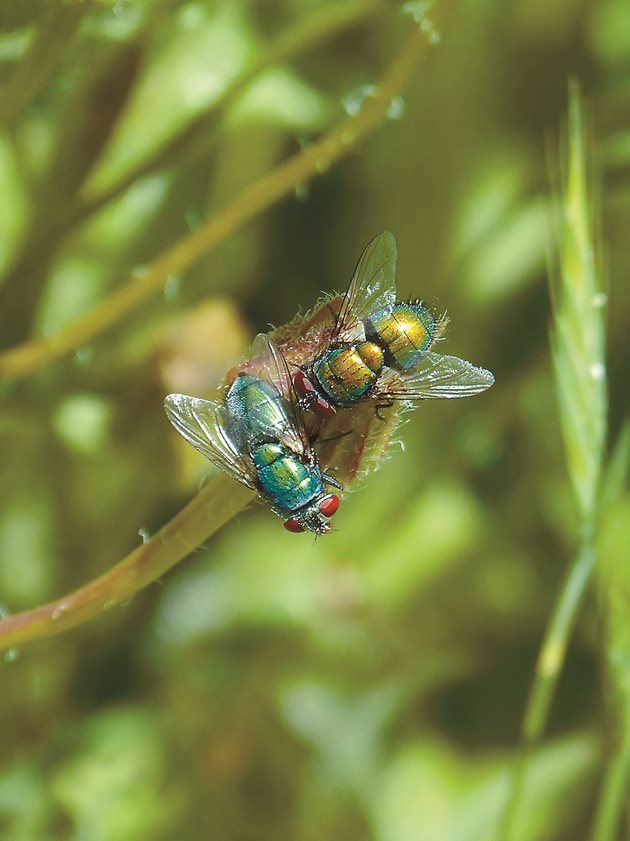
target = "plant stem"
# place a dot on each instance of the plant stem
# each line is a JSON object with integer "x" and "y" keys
{"x": 47, "y": 51}
{"x": 553, "y": 652}
{"x": 547, "y": 673}
{"x": 615, "y": 792}
{"x": 578, "y": 345}
{"x": 192, "y": 141}
{"x": 315, "y": 160}
{"x": 615, "y": 588}
{"x": 215, "y": 504}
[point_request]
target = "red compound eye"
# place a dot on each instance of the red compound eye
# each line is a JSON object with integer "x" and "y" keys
{"x": 323, "y": 408}
{"x": 305, "y": 388}
{"x": 302, "y": 384}
{"x": 292, "y": 525}
{"x": 329, "y": 505}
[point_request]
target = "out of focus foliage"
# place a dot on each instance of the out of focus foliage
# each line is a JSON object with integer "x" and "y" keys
{"x": 369, "y": 685}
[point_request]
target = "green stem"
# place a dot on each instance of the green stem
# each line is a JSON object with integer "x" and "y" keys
{"x": 215, "y": 504}
{"x": 192, "y": 142}
{"x": 554, "y": 647}
{"x": 47, "y": 51}
{"x": 547, "y": 673}
{"x": 317, "y": 159}
{"x": 614, "y": 796}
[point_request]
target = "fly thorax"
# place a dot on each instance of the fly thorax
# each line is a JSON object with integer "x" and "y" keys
{"x": 258, "y": 404}
{"x": 266, "y": 454}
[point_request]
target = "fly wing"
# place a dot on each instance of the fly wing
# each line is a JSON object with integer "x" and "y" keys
{"x": 372, "y": 288}
{"x": 203, "y": 423}
{"x": 267, "y": 362}
{"x": 435, "y": 375}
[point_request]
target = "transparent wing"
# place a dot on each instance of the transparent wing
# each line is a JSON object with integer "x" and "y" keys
{"x": 267, "y": 362}
{"x": 203, "y": 424}
{"x": 435, "y": 375}
{"x": 372, "y": 288}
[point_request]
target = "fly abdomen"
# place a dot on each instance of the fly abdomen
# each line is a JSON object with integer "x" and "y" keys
{"x": 405, "y": 331}
{"x": 346, "y": 374}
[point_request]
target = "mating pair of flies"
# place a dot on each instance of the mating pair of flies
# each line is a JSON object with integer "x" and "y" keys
{"x": 378, "y": 350}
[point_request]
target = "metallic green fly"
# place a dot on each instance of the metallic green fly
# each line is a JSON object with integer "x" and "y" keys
{"x": 257, "y": 436}
{"x": 380, "y": 348}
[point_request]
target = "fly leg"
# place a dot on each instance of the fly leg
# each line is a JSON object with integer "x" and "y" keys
{"x": 380, "y": 405}
{"x": 335, "y": 437}
{"x": 332, "y": 311}
{"x": 332, "y": 481}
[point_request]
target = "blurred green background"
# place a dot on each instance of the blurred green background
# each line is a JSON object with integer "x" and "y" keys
{"x": 370, "y": 685}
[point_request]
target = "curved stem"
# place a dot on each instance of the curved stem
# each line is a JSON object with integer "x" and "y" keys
{"x": 316, "y": 159}
{"x": 554, "y": 647}
{"x": 47, "y": 51}
{"x": 318, "y": 27}
{"x": 548, "y": 669}
{"x": 214, "y": 505}
{"x": 614, "y": 792}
